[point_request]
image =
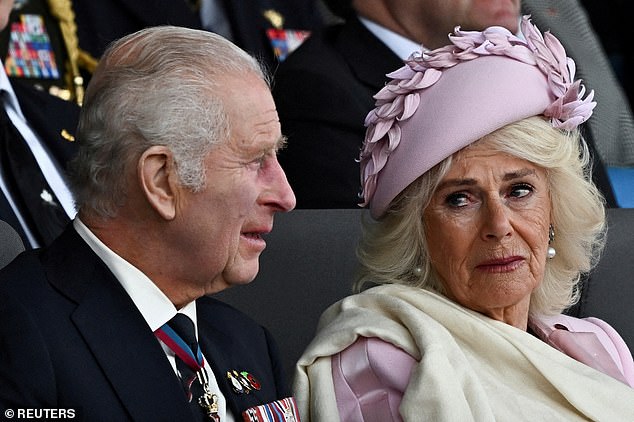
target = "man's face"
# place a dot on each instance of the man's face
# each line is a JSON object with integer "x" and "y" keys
{"x": 440, "y": 17}
{"x": 221, "y": 227}
{"x": 480, "y": 14}
{"x": 476, "y": 15}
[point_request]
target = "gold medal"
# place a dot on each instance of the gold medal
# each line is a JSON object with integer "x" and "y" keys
{"x": 274, "y": 17}
{"x": 209, "y": 400}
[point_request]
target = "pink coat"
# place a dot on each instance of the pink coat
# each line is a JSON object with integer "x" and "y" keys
{"x": 370, "y": 376}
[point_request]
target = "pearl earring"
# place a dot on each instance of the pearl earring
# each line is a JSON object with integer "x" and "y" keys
{"x": 551, "y": 236}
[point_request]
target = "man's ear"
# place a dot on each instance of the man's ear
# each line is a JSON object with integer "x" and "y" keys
{"x": 158, "y": 180}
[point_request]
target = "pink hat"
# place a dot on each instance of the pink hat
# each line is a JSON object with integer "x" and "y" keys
{"x": 443, "y": 100}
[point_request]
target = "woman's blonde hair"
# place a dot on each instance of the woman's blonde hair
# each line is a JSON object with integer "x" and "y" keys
{"x": 394, "y": 249}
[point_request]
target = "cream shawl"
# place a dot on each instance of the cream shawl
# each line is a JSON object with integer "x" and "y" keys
{"x": 471, "y": 368}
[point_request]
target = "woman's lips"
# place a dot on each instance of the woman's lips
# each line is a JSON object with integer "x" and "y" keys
{"x": 501, "y": 265}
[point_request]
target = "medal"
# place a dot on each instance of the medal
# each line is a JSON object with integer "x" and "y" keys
{"x": 274, "y": 17}
{"x": 67, "y": 135}
{"x": 242, "y": 382}
{"x": 208, "y": 401}
{"x": 283, "y": 41}
{"x": 235, "y": 384}
{"x": 284, "y": 410}
{"x": 30, "y": 53}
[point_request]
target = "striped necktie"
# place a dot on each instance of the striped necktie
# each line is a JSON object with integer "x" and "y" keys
{"x": 179, "y": 335}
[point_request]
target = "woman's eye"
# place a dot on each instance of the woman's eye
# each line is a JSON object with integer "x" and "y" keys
{"x": 521, "y": 190}
{"x": 457, "y": 200}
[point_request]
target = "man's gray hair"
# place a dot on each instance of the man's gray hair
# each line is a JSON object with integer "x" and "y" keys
{"x": 158, "y": 86}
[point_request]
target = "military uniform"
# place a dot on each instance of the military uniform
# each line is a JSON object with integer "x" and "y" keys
{"x": 37, "y": 60}
{"x": 40, "y": 47}
{"x": 269, "y": 29}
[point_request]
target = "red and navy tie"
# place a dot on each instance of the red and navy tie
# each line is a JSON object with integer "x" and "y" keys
{"x": 179, "y": 335}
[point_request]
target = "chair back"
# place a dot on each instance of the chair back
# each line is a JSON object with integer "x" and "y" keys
{"x": 10, "y": 243}
{"x": 608, "y": 293}
{"x": 310, "y": 262}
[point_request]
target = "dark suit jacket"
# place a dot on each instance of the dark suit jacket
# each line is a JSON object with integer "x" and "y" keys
{"x": 48, "y": 116}
{"x": 71, "y": 337}
{"x": 101, "y": 22}
{"x": 323, "y": 93}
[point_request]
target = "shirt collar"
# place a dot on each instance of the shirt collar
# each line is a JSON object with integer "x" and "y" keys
{"x": 155, "y": 307}
{"x": 401, "y": 46}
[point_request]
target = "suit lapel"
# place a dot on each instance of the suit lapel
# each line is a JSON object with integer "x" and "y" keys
{"x": 116, "y": 333}
{"x": 53, "y": 119}
{"x": 130, "y": 355}
{"x": 247, "y": 25}
{"x": 213, "y": 344}
{"x": 223, "y": 356}
{"x": 354, "y": 43}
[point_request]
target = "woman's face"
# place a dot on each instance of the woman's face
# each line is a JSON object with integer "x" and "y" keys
{"x": 487, "y": 230}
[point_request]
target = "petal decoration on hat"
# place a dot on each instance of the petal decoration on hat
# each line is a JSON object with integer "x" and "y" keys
{"x": 399, "y": 99}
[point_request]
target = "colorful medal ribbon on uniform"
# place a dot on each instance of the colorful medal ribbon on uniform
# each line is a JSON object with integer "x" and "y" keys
{"x": 284, "y": 410}
{"x": 30, "y": 54}
{"x": 285, "y": 41}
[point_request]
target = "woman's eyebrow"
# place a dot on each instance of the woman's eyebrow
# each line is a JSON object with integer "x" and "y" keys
{"x": 457, "y": 182}
{"x": 519, "y": 174}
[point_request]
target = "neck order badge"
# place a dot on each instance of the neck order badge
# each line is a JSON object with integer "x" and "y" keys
{"x": 184, "y": 350}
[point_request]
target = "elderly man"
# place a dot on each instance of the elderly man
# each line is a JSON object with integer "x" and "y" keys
{"x": 176, "y": 182}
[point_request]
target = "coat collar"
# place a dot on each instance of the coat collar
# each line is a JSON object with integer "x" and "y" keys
{"x": 127, "y": 350}
{"x": 125, "y": 347}
{"x": 224, "y": 355}
{"x": 354, "y": 42}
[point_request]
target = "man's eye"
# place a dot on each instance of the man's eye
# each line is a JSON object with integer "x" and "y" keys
{"x": 521, "y": 190}
{"x": 258, "y": 163}
{"x": 457, "y": 200}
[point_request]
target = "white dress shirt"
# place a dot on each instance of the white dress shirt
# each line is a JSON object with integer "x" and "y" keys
{"x": 401, "y": 46}
{"x": 155, "y": 307}
{"x": 214, "y": 18}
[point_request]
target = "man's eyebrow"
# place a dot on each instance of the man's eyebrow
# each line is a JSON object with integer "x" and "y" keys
{"x": 281, "y": 143}
{"x": 272, "y": 148}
